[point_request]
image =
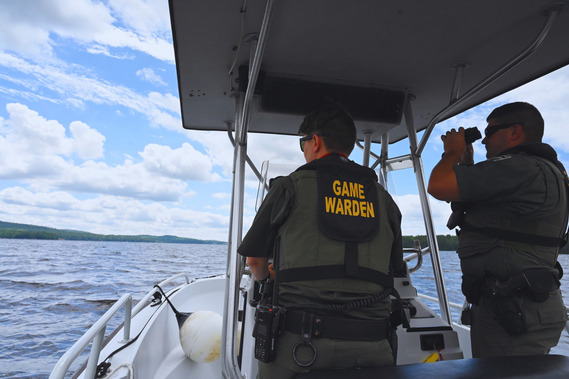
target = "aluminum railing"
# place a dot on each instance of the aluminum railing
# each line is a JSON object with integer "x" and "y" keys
{"x": 96, "y": 334}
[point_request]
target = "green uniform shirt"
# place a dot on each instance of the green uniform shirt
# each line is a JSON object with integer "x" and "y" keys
{"x": 511, "y": 192}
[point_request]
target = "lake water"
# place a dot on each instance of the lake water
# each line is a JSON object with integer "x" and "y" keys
{"x": 53, "y": 291}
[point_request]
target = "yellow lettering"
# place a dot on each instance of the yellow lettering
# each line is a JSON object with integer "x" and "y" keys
{"x": 370, "y": 210}
{"x": 348, "y": 206}
{"x": 339, "y": 209}
{"x": 336, "y": 187}
{"x": 356, "y": 208}
{"x": 330, "y": 202}
{"x": 345, "y": 189}
{"x": 353, "y": 189}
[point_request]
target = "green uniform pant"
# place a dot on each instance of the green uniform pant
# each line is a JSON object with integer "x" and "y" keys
{"x": 331, "y": 354}
{"x": 545, "y": 322}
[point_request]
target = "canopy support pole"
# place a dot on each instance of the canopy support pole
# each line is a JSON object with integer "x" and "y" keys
{"x": 552, "y": 14}
{"x": 235, "y": 267}
{"x": 427, "y": 217}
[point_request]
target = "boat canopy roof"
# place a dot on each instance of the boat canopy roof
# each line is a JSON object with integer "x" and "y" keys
{"x": 369, "y": 55}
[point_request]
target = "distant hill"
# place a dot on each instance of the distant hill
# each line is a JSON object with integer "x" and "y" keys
{"x": 24, "y": 231}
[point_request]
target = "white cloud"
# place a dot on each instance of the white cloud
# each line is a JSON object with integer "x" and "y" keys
{"x": 148, "y": 74}
{"x": 108, "y": 215}
{"x": 260, "y": 147}
{"x": 127, "y": 180}
{"x": 27, "y": 25}
{"x": 39, "y": 151}
{"x": 183, "y": 163}
{"x": 168, "y": 102}
{"x": 88, "y": 143}
{"x": 65, "y": 85}
{"x": 413, "y": 223}
{"x": 20, "y": 196}
{"x": 30, "y": 27}
{"x": 550, "y": 94}
{"x": 148, "y": 16}
{"x": 32, "y": 146}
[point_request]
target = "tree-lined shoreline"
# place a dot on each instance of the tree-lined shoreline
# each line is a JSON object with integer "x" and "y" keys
{"x": 23, "y": 231}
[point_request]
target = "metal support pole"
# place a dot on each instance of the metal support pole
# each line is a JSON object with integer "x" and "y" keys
{"x": 458, "y": 72}
{"x": 383, "y": 160}
{"x": 252, "y": 166}
{"x": 228, "y": 338}
{"x": 94, "y": 354}
{"x": 235, "y": 263}
{"x": 255, "y": 67}
{"x": 431, "y": 235}
{"x": 238, "y": 109}
{"x": 367, "y": 147}
{"x": 127, "y": 320}
{"x": 551, "y": 17}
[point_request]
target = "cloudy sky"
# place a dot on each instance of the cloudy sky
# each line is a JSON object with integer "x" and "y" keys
{"x": 91, "y": 136}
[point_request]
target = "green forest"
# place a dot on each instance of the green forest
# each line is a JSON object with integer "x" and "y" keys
{"x": 449, "y": 243}
{"x": 23, "y": 231}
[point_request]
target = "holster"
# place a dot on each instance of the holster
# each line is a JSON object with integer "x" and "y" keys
{"x": 534, "y": 283}
{"x": 505, "y": 299}
{"x": 508, "y": 311}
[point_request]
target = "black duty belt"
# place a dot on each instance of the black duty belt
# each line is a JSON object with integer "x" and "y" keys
{"x": 335, "y": 327}
{"x": 511, "y": 235}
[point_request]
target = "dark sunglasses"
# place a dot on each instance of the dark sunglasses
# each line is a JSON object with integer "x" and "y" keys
{"x": 494, "y": 128}
{"x": 303, "y": 140}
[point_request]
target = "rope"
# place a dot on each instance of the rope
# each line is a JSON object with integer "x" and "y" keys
{"x": 360, "y": 303}
{"x": 104, "y": 366}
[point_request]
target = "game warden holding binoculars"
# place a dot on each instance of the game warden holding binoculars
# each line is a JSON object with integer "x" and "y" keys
{"x": 511, "y": 211}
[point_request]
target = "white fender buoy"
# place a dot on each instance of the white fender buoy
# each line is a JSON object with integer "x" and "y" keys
{"x": 200, "y": 336}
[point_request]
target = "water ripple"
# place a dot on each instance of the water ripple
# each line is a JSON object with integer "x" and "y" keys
{"x": 53, "y": 291}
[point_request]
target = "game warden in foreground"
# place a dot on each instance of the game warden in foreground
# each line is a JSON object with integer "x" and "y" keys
{"x": 334, "y": 232}
{"x": 512, "y": 211}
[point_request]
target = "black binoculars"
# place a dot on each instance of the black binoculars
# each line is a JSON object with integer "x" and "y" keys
{"x": 471, "y": 135}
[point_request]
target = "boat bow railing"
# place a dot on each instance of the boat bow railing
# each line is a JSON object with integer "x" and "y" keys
{"x": 96, "y": 334}
{"x": 415, "y": 253}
